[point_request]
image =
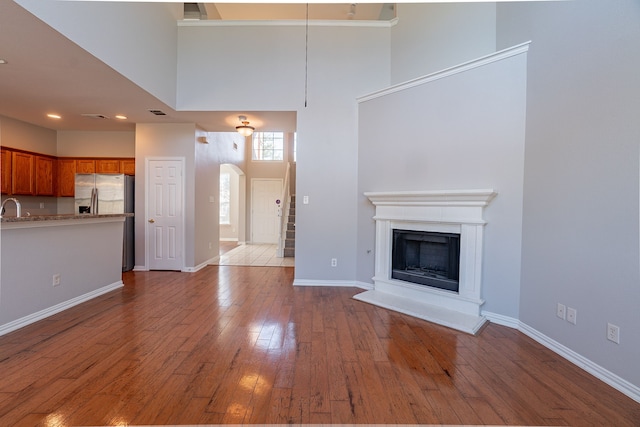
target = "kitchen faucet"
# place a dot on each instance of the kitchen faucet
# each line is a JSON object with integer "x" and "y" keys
{"x": 14, "y": 200}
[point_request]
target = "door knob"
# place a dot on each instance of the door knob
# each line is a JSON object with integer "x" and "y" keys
{"x": 152, "y": 220}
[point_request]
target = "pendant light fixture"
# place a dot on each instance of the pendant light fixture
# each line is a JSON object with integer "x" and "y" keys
{"x": 244, "y": 129}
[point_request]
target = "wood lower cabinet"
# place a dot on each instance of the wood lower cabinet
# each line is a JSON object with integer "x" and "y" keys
{"x": 66, "y": 177}
{"x": 5, "y": 172}
{"x": 45, "y": 171}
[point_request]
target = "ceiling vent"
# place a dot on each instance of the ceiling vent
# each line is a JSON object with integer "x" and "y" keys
{"x": 94, "y": 116}
{"x": 158, "y": 112}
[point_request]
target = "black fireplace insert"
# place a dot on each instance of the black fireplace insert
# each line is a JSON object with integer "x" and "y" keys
{"x": 426, "y": 258}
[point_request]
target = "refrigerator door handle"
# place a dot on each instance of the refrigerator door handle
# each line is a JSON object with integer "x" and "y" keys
{"x": 94, "y": 201}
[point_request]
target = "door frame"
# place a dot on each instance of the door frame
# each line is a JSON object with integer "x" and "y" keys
{"x": 182, "y": 243}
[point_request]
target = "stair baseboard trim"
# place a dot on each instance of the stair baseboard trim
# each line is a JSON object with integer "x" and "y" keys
{"x": 43, "y": 314}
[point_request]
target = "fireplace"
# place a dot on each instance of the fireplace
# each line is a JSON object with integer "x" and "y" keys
{"x": 439, "y": 278}
{"x": 426, "y": 258}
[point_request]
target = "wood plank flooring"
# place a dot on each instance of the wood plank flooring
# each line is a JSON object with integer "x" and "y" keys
{"x": 232, "y": 345}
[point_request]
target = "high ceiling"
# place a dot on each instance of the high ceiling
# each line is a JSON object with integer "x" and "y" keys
{"x": 289, "y": 11}
{"x": 47, "y": 73}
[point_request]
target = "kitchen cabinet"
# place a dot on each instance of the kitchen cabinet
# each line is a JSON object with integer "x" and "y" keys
{"x": 107, "y": 166}
{"x": 5, "y": 177}
{"x": 22, "y": 174}
{"x": 128, "y": 166}
{"x": 33, "y": 174}
{"x": 44, "y": 171}
{"x": 85, "y": 166}
{"x": 66, "y": 177}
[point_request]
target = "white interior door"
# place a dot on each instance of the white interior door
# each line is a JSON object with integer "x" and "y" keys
{"x": 165, "y": 222}
{"x": 264, "y": 210}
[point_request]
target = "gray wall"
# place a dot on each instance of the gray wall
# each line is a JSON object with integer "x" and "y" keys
{"x": 580, "y": 224}
{"x": 468, "y": 134}
{"x": 432, "y": 37}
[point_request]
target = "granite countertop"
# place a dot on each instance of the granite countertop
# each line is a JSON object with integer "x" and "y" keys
{"x": 31, "y": 218}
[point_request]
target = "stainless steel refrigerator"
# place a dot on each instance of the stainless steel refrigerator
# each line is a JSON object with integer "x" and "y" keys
{"x": 108, "y": 194}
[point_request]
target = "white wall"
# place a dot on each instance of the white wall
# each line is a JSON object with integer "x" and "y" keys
{"x": 432, "y": 37}
{"x": 96, "y": 144}
{"x": 231, "y": 231}
{"x": 139, "y": 40}
{"x": 580, "y": 227}
{"x": 25, "y": 136}
{"x": 468, "y": 134}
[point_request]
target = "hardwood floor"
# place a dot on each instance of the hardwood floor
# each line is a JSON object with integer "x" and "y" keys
{"x": 241, "y": 345}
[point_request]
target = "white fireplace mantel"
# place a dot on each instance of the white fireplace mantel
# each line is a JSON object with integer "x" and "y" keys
{"x": 452, "y": 211}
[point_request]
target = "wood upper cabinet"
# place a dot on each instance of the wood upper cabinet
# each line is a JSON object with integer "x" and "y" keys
{"x": 128, "y": 166}
{"x": 32, "y": 174}
{"x": 5, "y": 172}
{"x": 22, "y": 174}
{"x": 45, "y": 171}
{"x": 66, "y": 177}
{"x": 85, "y": 166}
{"x": 107, "y": 166}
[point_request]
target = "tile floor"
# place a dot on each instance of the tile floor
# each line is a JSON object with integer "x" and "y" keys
{"x": 259, "y": 255}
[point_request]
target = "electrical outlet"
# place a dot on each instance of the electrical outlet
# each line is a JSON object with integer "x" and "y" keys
{"x": 561, "y": 310}
{"x": 56, "y": 280}
{"x": 572, "y": 315}
{"x": 305, "y": 200}
{"x": 334, "y": 262}
{"x": 613, "y": 333}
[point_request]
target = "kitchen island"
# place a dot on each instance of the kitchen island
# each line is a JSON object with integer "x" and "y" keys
{"x": 52, "y": 262}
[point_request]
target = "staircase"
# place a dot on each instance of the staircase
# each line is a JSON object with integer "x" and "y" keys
{"x": 290, "y": 240}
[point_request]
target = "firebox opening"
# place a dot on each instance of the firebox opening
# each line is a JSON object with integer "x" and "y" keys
{"x": 426, "y": 258}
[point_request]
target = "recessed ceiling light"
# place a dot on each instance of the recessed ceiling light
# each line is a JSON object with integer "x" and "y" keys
{"x": 3, "y": 61}
{"x": 120, "y": 117}
{"x": 54, "y": 116}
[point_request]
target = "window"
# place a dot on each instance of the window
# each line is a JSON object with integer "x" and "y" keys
{"x": 268, "y": 146}
{"x": 225, "y": 198}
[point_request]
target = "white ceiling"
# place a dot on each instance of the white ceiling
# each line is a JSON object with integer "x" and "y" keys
{"x": 47, "y": 73}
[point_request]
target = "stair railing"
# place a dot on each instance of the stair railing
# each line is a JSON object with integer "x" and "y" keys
{"x": 284, "y": 213}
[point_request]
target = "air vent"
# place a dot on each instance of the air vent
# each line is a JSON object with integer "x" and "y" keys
{"x": 94, "y": 116}
{"x": 158, "y": 112}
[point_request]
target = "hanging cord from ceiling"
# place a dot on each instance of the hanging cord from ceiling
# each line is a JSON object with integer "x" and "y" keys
{"x": 306, "y": 58}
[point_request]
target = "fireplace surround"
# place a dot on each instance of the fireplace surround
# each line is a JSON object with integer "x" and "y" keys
{"x": 447, "y": 213}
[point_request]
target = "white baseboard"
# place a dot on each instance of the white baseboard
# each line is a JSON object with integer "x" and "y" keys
{"x": 502, "y": 320}
{"x": 201, "y": 265}
{"x": 228, "y": 239}
{"x": 42, "y": 314}
{"x": 338, "y": 283}
{"x": 364, "y": 285}
{"x": 606, "y": 376}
